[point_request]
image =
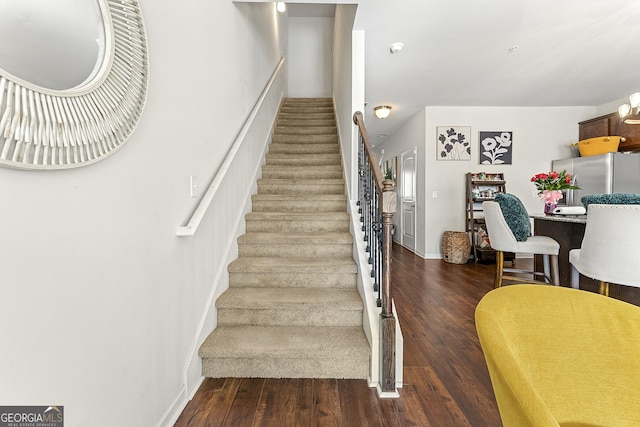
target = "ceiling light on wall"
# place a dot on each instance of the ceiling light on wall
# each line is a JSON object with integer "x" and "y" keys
{"x": 280, "y": 6}
{"x": 382, "y": 111}
{"x": 396, "y": 47}
{"x": 630, "y": 113}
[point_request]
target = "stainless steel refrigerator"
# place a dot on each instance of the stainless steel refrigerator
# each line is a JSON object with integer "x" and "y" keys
{"x": 601, "y": 174}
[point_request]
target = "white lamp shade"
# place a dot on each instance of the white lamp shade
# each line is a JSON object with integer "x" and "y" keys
{"x": 624, "y": 110}
{"x": 382, "y": 111}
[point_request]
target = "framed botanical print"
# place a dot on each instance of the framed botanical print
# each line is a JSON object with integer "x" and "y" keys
{"x": 496, "y": 147}
{"x": 453, "y": 142}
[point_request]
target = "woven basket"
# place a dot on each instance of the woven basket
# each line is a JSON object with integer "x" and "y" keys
{"x": 455, "y": 247}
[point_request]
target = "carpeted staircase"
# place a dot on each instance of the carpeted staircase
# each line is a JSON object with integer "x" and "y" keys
{"x": 292, "y": 309}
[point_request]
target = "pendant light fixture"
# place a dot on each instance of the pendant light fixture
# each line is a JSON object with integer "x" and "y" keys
{"x": 630, "y": 113}
{"x": 382, "y": 111}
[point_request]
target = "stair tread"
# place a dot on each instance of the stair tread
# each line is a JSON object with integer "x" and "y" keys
{"x": 298, "y": 342}
{"x": 334, "y": 168}
{"x": 312, "y": 156}
{"x": 301, "y": 146}
{"x": 290, "y": 298}
{"x": 317, "y": 265}
{"x": 300, "y": 197}
{"x": 297, "y": 216}
{"x": 291, "y": 115}
{"x": 297, "y": 238}
{"x": 302, "y": 181}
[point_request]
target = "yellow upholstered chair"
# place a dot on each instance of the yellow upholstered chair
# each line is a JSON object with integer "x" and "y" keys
{"x": 561, "y": 357}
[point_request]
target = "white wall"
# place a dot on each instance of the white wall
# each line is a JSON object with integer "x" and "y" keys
{"x": 411, "y": 135}
{"x": 310, "y": 57}
{"x": 540, "y": 134}
{"x": 99, "y": 300}
{"x": 343, "y": 86}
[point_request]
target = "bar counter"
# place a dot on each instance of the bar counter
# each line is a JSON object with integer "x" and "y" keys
{"x": 568, "y": 231}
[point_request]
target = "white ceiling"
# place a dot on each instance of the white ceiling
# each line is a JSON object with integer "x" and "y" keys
{"x": 457, "y": 53}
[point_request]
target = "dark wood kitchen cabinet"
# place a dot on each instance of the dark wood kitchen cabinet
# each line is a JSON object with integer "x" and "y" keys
{"x": 610, "y": 125}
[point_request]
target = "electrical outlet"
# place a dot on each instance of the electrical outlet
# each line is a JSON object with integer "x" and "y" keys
{"x": 193, "y": 187}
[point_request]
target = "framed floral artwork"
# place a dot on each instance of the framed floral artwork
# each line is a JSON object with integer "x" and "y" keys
{"x": 496, "y": 147}
{"x": 453, "y": 142}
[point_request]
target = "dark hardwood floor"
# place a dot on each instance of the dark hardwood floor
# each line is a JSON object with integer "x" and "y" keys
{"x": 446, "y": 382}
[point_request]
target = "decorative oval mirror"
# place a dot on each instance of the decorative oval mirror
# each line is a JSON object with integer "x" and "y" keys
{"x": 70, "y": 95}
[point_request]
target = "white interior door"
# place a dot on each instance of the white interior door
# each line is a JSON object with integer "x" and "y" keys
{"x": 408, "y": 199}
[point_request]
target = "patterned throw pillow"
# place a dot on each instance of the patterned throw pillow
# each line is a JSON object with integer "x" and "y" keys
{"x": 515, "y": 215}
{"x": 610, "y": 199}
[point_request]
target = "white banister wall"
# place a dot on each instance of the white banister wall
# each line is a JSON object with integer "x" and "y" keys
{"x": 222, "y": 209}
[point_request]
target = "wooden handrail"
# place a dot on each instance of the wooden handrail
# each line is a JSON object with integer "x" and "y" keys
{"x": 387, "y": 194}
{"x": 373, "y": 159}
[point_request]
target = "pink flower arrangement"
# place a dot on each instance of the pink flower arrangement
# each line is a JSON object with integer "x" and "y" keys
{"x": 550, "y": 185}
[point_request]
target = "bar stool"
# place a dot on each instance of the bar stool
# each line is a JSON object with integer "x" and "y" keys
{"x": 609, "y": 251}
{"x": 503, "y": 239}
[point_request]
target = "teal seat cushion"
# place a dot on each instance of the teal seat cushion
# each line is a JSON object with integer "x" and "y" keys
{"x": 515, "y": 215}
{"x": 610, "y": 199}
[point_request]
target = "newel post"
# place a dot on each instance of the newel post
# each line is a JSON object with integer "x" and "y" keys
{"x": 387, "y": 320}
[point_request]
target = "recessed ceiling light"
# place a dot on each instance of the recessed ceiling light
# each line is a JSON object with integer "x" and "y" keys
{"x": 396, "y": 47}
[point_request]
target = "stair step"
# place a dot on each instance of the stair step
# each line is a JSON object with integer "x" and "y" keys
{"x": 295, "y": 115}
{"x": 303, "y": 159}
{"x": 310, "y": 109}
{"x": 285, "y": 352}
{"x": 263, "y": 272}
{"x": 290, "y": 307}
{"x": 301, "y": 172}
{"x": 286, "y": 148}
{"x": 307, "y": 130}
{"x": 290, "y": 100}
{"x": 283, "y": 122}
{"x": 313, "y": 266}
{"x": 294, "y": 222}
{"x": 305, "y": 139}
{"x": 299, "y": 203}
{"x": 300, "y": 186}
{"x": 323, "y": 244}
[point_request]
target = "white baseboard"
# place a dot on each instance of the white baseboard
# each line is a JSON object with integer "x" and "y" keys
{"x": 177, "y": 406}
